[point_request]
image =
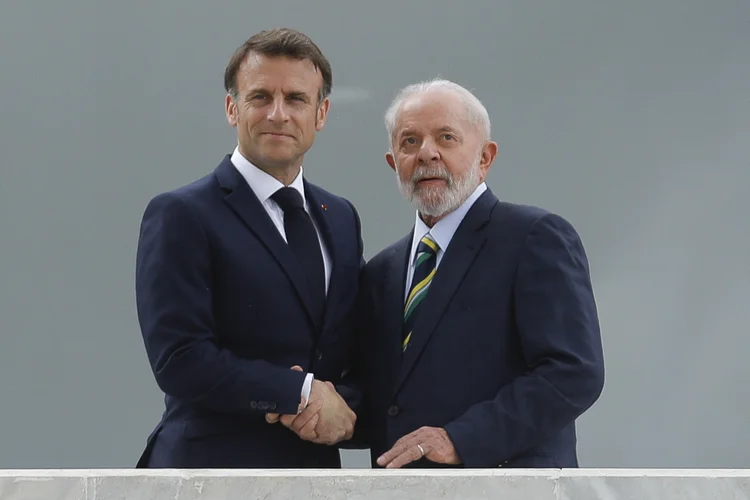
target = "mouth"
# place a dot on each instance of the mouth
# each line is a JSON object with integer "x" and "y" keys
{"x": 430, "y": 180}
{"x": 277, "y": 135}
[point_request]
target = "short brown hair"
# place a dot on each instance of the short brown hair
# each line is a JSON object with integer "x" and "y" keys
{"x": 279, "y": 42}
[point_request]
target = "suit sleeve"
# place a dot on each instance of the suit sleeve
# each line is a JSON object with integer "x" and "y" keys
{"x": 559, "y": 333}
{"x": 356, "y": 379}
{"x": 174, "y": 302}
{"x": 350, "y": 386}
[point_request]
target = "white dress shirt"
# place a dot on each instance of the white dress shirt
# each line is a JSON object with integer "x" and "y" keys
{"x": 442, "y": 232}
{"x": 264, "y": 186}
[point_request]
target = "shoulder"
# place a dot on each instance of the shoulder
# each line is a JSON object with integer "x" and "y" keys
{"x": 183, "y": 200}
{"x": 523, "y": 220}
{"x": 517, "y": 215}
{"x": 544, "y": 239}
{"x": 384, "y": 258}
{"x": 342, "y": 210}
{"x": 330, "y": 200}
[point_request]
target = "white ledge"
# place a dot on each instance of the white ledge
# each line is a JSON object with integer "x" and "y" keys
{"x": 366, "y": 484}
{"x": 251, "y": 473}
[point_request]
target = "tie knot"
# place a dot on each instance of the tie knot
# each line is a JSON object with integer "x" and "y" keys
{"x": 428, "y": 245}
{"x": 288, "y": 199}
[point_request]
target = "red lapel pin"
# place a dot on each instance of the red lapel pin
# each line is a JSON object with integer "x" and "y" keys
{"x": 324, "y": 207}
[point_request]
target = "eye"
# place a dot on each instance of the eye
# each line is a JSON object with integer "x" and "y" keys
{"x": 410, "y": 140}
{"x": 449, "y": 137}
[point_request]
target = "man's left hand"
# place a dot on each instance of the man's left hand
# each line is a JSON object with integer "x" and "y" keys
{"x": 431, "y": 443}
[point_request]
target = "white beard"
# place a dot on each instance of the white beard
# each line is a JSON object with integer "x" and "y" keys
{"x": 436, "y": 202}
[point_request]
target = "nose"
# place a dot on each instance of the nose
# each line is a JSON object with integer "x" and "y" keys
{"x": 428, "y": 152}
{"x": 277, "y": 112}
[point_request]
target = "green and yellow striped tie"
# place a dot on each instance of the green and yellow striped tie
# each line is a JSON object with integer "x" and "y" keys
{"x": 424, "y": 271}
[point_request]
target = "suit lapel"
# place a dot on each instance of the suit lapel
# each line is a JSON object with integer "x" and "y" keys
{"x": 246, "y": 205}
{"x": 393, "y": 302}
{"x": 315, "y": 203}
{"x": 458, "y": 258}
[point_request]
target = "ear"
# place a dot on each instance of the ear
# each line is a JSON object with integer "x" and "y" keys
{"x": 489, "y": 152}
{"x": 390, "y": 160}
{"x": 230, "y": 108}
{"x": 322, "y": 116}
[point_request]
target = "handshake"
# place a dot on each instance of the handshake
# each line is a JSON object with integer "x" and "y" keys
{"x": 326, "y": 419}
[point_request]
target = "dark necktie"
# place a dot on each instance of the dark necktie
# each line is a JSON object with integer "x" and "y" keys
{"x": 303, "y": 240}
{"x": 424, "y": 271}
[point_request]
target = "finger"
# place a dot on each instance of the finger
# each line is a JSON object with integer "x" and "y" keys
{"x": 302, "y": 419}
{"x": 272, "y": 418}
{"x": 398, "y": 448}
{"x": 297, "y": 368}
{"x": 308, "y": 431}
{"x": 348, "y": 432}
{"x": 391, "y": 454}
{"x": 287, "y": 420}
{"x": 409, "y": 456}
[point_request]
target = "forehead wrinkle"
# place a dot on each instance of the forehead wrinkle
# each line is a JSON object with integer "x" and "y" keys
{"x": 455, "y": 124}
{"x": 435, "y": 104}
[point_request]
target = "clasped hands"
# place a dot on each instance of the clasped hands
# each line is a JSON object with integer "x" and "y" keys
{"x": 326, "y": 419}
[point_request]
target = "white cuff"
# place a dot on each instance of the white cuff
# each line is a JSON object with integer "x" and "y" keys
{"x": 306, "y": 388}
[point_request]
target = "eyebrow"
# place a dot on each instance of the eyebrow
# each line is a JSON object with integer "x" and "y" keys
{"x": 292, "y": 93}
{"x": 447, "y": 128}
{"x": 298, "y": 93}
{"x": 441, "y": 130}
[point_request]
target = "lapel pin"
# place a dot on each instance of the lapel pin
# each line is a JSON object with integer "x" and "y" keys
{"x": 324, "y": 206}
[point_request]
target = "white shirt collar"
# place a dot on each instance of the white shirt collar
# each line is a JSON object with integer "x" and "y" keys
{"x": 262, "y": 183}
{"x": 442, "y": 232}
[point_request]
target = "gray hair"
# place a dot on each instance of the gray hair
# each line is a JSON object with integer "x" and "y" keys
{"x": 476, "y": 111}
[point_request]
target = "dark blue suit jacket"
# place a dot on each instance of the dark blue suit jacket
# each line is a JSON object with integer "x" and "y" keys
{"x": 506, "y": 351}
{"x": 224, "y": 315}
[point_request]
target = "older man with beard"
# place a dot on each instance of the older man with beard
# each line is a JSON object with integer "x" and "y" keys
{"x": 480, "y": 342}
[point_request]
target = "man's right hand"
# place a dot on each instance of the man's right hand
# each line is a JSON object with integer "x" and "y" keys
{"x": 327, "y": 419}
{"x": 335, "y": 419}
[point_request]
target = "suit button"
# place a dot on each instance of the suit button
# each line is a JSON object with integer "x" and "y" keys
{"x": 393, "y": 411}
{"x": 253, "y": 404}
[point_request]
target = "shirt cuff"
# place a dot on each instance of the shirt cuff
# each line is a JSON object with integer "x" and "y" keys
{"x": 306, "y": 388}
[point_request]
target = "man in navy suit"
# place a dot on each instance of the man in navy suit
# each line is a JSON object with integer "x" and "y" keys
{"x": 480, "y": 338}
{"x": 246, "y": 281}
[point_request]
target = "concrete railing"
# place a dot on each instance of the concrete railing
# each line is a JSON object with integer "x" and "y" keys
{"x": 366, "y": 484}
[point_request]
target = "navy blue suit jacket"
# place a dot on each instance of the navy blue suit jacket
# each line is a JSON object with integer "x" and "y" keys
{"x": 224, "y": 315}
{"x": 506, "y": 351}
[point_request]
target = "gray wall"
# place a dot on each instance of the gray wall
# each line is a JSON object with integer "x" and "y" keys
{"x": 629, "y": 118}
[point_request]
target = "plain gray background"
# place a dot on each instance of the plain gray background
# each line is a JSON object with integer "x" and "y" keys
{"x": 631, "y": 119}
